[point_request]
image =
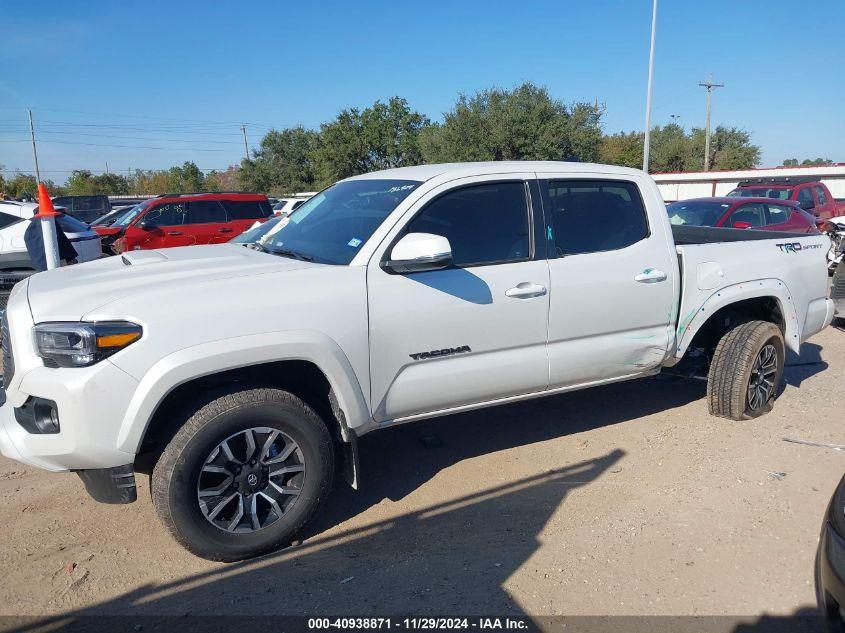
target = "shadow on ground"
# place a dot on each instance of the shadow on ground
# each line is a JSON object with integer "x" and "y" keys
{"x": 799, "y": 367}
{"x": 454, "y": 556}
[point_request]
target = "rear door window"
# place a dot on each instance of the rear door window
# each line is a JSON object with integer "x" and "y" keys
{"x": 590, "y": 216}
{"x": 779, "y": 213}
{"x": 205, "y": 212}
{"x": 247, "y": 209}
{"x": 6, "y": 219}
{"x": 820, "y": 195}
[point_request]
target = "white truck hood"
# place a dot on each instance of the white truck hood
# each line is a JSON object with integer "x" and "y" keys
{"x": 71, "y": 292}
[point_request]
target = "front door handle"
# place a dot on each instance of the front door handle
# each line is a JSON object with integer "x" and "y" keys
{"x": 525, "y": 290}
{"x": 174, "y": 232}
{"x": 650, "y": 276}
{"x": 225, "y": 230}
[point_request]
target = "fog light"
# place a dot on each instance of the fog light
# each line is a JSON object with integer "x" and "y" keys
{"x": 38, "y": 416}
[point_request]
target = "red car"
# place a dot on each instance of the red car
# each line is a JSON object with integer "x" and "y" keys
{"x": 813, "y": 196}
{"x": 184, "y": 220}
{"x": 743, "y": 213}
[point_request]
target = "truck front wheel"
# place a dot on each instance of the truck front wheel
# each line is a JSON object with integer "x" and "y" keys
{"x": 244, "y": 474}
{"x": 746, "y": 371}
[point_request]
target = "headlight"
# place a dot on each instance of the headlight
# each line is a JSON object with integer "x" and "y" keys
{"x": 82, "y": 344}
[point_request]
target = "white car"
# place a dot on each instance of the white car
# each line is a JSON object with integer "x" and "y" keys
{"x": 246, "y": 376}
{"x": 14, "y": 220}
{"x": 284, "y": 206}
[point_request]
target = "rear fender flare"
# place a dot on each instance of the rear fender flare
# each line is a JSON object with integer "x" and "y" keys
{"x": 690, "y": 323}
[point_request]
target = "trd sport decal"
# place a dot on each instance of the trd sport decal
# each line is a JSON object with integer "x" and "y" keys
{"x": 794, "y": 247}
{"x": 446, "y": 351}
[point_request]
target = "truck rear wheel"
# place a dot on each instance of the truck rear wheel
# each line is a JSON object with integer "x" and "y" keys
{"x": 244, "y": 474}
{"x": 746, "y": 371}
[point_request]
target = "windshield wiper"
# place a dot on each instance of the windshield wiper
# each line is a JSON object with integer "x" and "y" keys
{"x": 285, "y": 252}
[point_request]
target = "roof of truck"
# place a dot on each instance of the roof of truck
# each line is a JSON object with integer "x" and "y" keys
{"x": 427, "y": 172}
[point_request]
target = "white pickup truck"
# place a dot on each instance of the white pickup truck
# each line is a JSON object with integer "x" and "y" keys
{"x": 244, "y": 377}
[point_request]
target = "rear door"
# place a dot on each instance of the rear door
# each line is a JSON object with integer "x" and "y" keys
{"x": 782, "y": 217}
{"x": 206, "y": 222}
{"x": 825, "y": 206}
{"x": 242, "y": 214}
{"x": 613, "y": 279}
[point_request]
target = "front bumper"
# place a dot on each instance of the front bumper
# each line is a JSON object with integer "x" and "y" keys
{"x": 91, "y": 404}
{"x": 830, "y": 588}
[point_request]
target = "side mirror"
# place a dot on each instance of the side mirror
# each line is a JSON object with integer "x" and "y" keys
{"x": 807, "y": 205}
{"x": 147, "y": 225}
{"x": 419, "y": 252}
{"x": 739, "y": 224}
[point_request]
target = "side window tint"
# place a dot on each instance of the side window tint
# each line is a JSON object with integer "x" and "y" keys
{"x": 779, "y": 213}
{"x": 7, "y": 219}
{"x": 170, "y": 214}
{"x": 751, "y": 213}
{"x": 594, "y": 216}
{"x": 205, "y": 212}
{"x": 805, "y": 197}
{"x": 484, "y": 224}
{"x": 820, "y": 195}
{"x": 247, "y": 209}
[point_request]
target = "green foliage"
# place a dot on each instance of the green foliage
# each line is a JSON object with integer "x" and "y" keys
{"x": 520, "y": 124}
{"x": 807, "y": 162}
{"x": 82, "y": 182}
{"x": 675, "y": 150}
{"x": 22, "y": 185}
{"x": 382, "y": 136}
{"x": 283, "y": 164}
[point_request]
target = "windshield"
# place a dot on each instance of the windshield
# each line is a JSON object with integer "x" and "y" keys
{"x": 332, "y": 225}
{"x": 778, "y": 193}
{"x": 697, "y": 213}
{"x": 125, "y": 219}
{"x": 254, "y": 234}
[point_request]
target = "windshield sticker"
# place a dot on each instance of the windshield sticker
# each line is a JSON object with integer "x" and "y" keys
{"x": 354, "y": 242}
{"x": 402, "y": 188}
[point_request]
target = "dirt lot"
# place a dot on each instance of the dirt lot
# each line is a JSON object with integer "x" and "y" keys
{"x": 626, "y": 499}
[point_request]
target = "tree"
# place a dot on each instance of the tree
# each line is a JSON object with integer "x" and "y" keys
{"x": 818, "y": 162}
{"x": 382, "y": 136}
{"x": 227, "y": 180}
{"x": 284, "y": 163}
{"x": 624, "y": 148}
{"x": 520, "y": 124}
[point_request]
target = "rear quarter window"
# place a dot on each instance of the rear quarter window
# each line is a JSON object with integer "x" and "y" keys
{"x": 247, "y": 209}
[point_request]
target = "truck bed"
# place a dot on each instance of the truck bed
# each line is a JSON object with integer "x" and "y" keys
{"x": 711, "y": 235}
{"x": 718, "y": 266}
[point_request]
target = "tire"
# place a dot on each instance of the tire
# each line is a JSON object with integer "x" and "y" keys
{"x": 196, "y": 473}
{"x": 741, "y": 354}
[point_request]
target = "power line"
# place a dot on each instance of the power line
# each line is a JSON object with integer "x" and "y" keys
{"x": 169, "y": 149}
{"x": 135, "y": 138}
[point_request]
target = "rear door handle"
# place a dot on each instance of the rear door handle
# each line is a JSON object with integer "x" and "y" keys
{"x": 650, "y": 276}
{"x": 174, "y": 232}
{"x": 525, "y": 290}
{"x": 225, "y": 230}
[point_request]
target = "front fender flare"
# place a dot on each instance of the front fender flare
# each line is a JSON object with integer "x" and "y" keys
{"x": 691, "y": 323}
{"x": 242, "y": 351}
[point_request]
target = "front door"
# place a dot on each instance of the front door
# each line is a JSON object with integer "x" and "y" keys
{"x": 613, "y": 280}
{"x": 473, "y": 332}
{"x": 162, "y": 226}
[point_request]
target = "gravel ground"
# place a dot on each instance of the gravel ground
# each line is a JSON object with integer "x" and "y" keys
{"x": 626, "y": 499}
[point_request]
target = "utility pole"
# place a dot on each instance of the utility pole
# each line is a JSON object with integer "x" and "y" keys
{"x": 709, "y": 85}
{"x": 647, "y": 141}
{"x": 246, "y": 147}
{"x": 34, "y": 151}
{"x": 107, "y": 166}
{"x": 674, "y": 118}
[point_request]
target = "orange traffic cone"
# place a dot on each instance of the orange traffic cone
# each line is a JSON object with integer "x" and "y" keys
{"x": 45, "y": 205}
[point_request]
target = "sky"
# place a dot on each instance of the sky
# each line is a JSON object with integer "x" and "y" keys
{"x": 149, "y": 85}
